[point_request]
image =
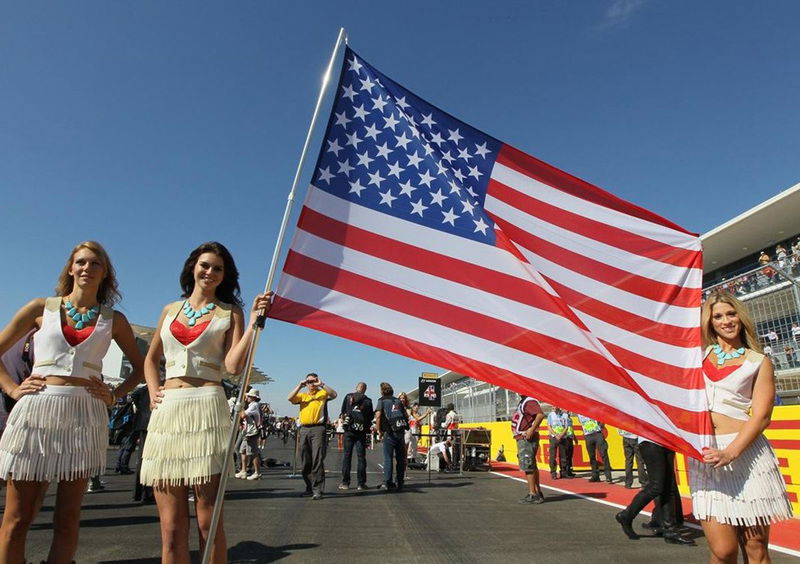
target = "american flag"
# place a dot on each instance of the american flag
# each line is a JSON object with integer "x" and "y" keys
{"x": 424, "y": 236}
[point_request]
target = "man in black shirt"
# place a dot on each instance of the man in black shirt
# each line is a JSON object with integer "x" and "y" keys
{"x": 357, "y": 414}
{"x": 391, "y": 421}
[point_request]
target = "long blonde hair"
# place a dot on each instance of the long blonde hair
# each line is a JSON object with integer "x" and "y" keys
{"x": 747, "y": 333}
{"x": 108, "y": 292}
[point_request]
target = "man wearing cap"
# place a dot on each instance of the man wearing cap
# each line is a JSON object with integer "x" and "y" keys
{"x": 312, "y": 438}
{"x": 525, "y": 428}
{"x": 251, "y": 419}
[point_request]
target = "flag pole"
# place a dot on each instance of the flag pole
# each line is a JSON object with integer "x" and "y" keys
{"x": 245, "y": 379}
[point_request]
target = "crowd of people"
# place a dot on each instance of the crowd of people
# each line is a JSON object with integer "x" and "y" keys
{"x": 765, "y": 272}
{"x": 57, "y": 424}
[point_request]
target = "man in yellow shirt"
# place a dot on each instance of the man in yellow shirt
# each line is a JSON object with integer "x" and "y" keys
{"x": 312, "y": 436}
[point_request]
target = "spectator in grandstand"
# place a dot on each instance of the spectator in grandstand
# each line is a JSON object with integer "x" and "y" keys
{"x": 737, "y": 489}
{"x": 780, "y": 255}
{"x": 788, "y": 351}
{"x": 795, "y": 333}
{"x": 763, "y": 258}
{"x": 769, "y": 353}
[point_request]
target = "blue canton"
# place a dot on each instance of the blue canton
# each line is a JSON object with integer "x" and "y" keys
{"x": 391, "y": 151}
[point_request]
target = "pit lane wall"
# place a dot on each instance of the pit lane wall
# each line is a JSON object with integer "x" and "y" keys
{"x": 783, "y": 434}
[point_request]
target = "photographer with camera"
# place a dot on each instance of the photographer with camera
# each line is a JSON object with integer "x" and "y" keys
{"x": 313, "y": 441}
{"x": 391, "y": 423}
{"x": 356, "y": 415}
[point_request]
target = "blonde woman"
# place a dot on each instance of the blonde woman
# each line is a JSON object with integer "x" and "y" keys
{"x": 737, "y": 490}
{"x": 58, "y": 428}
{"x": 201, "y": 336}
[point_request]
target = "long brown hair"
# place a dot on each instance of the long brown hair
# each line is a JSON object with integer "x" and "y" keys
{"x": 747, "y": 333}
{"x": 228, "y": 290}
{"x": 108, "y": 292}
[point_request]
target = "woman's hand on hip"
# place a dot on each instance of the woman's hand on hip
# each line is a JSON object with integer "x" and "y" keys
{"x": 30, "y": 385}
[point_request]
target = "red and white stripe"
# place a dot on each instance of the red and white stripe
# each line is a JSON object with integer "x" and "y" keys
{"x": 575, "y": 333}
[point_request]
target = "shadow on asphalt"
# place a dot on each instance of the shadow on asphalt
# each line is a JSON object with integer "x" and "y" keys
{"x": 105, "y": 522}
{"x": 247, "y": 552}
{"x": 577, "y": 495}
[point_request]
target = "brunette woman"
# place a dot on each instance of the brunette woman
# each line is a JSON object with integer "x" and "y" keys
{"x": 203, "y": 336}
{"x": 58, "y": 428}
{"x": 737, "y": 490}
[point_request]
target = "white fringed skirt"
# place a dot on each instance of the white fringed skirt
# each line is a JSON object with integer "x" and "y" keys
{"x": 186, "y": 438}
{"x": 59, "y": 433}
{"x": 749, "y": 491}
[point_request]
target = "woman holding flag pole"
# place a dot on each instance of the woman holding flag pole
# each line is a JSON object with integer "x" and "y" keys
{"x": 202, "y": 337}
{"x": 737, "y": 489}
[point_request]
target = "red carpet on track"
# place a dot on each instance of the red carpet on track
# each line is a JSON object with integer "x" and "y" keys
{"x": 785, "y": 534}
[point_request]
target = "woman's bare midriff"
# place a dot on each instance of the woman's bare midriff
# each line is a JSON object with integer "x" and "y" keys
{"x": 724, "y": 425}
{"x": 187, "y": 382}
{"x": 68, "y": 381}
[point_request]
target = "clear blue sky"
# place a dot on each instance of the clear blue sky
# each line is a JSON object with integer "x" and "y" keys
{"x": 154, "y": 126}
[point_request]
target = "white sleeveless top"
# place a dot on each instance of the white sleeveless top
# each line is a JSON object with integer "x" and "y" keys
{"x": 54, "y": 356}
{"x": 729, "y": 390}
{"x": 202, "y": 358}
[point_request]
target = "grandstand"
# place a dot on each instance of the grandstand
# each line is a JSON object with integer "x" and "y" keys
{"x": 770, "y": 290}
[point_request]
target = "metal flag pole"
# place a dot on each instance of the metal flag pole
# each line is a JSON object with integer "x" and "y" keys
{"x": 223, "y": 480}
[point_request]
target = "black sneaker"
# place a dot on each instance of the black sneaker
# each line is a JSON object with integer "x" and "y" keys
{"x": 530, "y": 498}
{"x": 539, "y": 499}
{"x": 362, "y": 487}
{"x": 594, "y": 479}
{"x": 307, "y": 493}
{"x": 316, "y": 496}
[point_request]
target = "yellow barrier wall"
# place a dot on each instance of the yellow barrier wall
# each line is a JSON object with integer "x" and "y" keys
{"x": 783, "y": 433}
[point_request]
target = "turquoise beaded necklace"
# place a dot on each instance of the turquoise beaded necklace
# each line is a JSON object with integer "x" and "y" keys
{"x": 723, "y": 356}
{"x": 80, "y": 319}
{"x": 194, "y": 314}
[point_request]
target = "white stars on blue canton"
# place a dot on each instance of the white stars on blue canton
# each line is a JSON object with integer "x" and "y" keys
{"x": 391, "y": 151}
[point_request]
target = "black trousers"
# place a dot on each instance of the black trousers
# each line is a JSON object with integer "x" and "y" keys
{"x": 661, "y": 487}
{"x": 359, "y": 442}
{"x": 596, "y": 443}
{"x": 631, "y": 448}
{"x": 561, "y": 447}
{"x": 126, "y": 448}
